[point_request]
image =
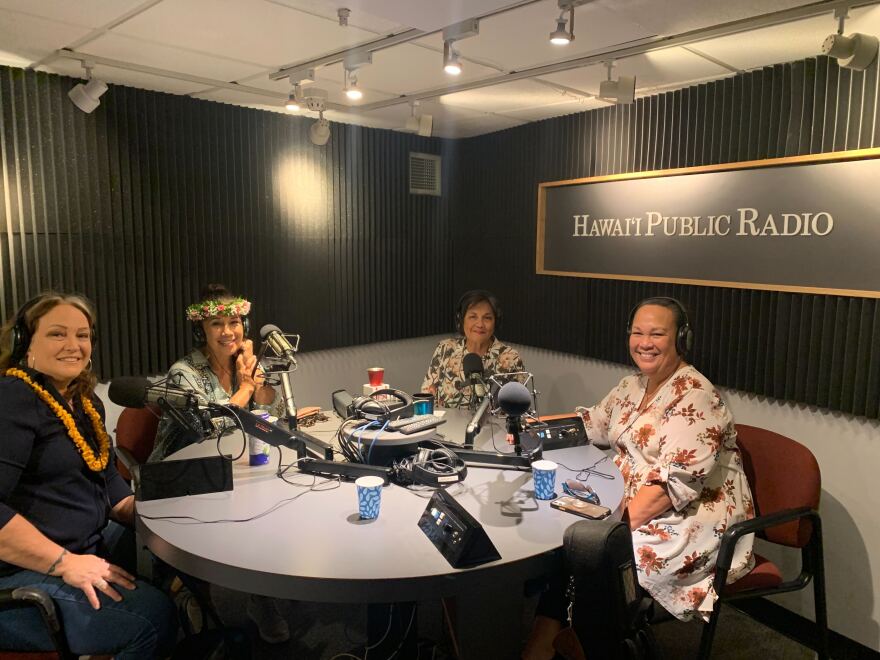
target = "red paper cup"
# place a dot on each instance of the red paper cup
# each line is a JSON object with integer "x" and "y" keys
{"x": 376, "y": 375}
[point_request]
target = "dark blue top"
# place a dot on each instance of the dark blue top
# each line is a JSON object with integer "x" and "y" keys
{"x": 42, "y": 475}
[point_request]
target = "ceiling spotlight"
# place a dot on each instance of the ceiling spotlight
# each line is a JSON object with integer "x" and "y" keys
{"x": 421, "y": 124}
{"x": 451, "y": 61}
{"x": 451, "y": 34}
{"x": 351, "y": 89}
{"x": 560, "y": 36}
{"x": 622, "y": 90}
{"x": 87, "y": 96}
{"x": 319, "y": 132}
{"x": 855, "y": 51}
{"x": 292, "y": 104}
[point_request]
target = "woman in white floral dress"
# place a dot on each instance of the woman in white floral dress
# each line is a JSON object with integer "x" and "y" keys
{"x": 675, "y": 444}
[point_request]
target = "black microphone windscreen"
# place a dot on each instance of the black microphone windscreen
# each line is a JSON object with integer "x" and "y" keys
{"x": 472, "y": 364}
{"x": 129, "y": 392}
{"x": 267, "y": 330}
{"x": 514, "y": 399}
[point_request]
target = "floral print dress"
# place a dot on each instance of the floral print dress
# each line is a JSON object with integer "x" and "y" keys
{"x": 446, "y": 373}
{"x": 684, "y": 440}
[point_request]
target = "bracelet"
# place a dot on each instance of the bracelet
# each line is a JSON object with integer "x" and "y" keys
{"x": 56, "y": 562}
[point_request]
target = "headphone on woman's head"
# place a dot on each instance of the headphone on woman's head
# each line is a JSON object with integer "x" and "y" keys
{"x": 684, "y": 335}
{"x": 20, "y": 337}
{"x": 472, "y": 297}
{"x": 198, "y": 330}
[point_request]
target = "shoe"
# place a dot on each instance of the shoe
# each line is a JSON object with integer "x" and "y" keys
{"x": 189, "y": 612}
{"x": 272, "y": 626}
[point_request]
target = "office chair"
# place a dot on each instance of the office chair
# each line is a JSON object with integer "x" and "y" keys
{"x": 135, "y": 437}
{"x": 23, "y": 597}
{"x": 785, "y": 481}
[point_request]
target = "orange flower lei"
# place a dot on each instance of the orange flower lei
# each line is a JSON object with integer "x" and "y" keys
{"x": 96, "y": 464}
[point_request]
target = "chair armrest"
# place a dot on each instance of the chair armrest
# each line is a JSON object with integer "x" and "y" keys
{"x": 127, "y": 458}
{"x": 32, "y": 597}
{"x": 735, "y": 532}
{"x": 131, "y": 464}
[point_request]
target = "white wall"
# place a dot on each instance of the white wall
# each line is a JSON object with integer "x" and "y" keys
{"x": 847, "y": 448}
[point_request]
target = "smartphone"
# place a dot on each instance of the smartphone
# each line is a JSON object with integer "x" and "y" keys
{"x": 581, "y": 508}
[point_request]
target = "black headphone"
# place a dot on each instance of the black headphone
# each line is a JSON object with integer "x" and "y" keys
{"x": 369, "y": 408}
{"x": 435, "y": 466}
{"x": 198, "y": 331}
{"x": 684, "y": 335}
{"x": 472, "y": 297}
{"x": 20, "y": 337}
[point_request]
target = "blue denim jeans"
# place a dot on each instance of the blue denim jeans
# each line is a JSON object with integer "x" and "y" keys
{"x": 142, "y": 625}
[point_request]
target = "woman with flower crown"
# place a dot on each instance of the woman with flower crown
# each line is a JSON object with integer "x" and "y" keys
{"x": 60, "y": 493}
{"x": 222, "y": 368}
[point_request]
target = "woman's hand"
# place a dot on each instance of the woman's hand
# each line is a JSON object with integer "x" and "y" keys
{"x": 244, "y": 367}
{"x": 91, "y": 574}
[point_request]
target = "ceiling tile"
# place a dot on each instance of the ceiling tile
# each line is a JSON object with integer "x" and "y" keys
{"x": 567, "y": 107}
{"x": 86, "y": 13}
{"x": 180, "y": 60}
{"x": 520, "y": 94}
{"x": 246, "y": 30}
{"x": 359, "y": 18}
{"x": 657, "y": 68}
{"x": 26, "y": 39}
{"x": 426, "y": 15}
{"x": 786, "y": 43}
{"x": 667, "y": 17}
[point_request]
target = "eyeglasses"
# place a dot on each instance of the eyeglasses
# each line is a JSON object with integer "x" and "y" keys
{"x": 580, "y": 490}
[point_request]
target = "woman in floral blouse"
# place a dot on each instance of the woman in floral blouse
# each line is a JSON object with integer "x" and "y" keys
{"x": 476, "y": 316}
{"x": 674, "y": 442}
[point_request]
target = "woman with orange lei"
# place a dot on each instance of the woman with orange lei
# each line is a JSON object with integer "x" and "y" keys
{"x": 60, "y": 493}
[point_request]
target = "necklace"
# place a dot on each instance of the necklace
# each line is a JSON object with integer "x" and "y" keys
{"x": 95, "y": 464}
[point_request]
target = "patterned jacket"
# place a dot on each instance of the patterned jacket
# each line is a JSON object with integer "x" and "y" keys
{"x": 446, "y": 374}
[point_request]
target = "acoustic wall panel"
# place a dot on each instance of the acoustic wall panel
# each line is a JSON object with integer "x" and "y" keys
{"x": 813, "y": 349}
{"x": 153, "y": 195}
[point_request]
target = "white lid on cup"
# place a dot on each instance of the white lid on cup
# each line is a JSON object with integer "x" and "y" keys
{"x": 369, "y": 482}
{"x": 544, "y": 465}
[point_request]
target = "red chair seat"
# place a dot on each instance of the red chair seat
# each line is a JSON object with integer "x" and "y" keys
{"x": 764, "y": 575}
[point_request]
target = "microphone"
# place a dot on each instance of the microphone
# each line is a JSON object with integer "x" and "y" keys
{"x": 272, "y": 335}
{"x": 514, "y": 399}
{"x": 186, "y": 408}
{"x": 472, "y": 364}
{"x": 276, "y": 340}
{"x": 473, "y": 428}
{"x": 137, "y": 392}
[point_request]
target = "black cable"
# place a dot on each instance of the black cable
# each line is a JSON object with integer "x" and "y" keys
{"x": 239, "y": 426}
{"x": 589, "y": 471}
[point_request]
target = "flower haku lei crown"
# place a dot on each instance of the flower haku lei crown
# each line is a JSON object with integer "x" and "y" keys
{"x": 207, "y": 309}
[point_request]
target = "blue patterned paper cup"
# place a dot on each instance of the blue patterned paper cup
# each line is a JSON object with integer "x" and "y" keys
{"x": 544, "y": 474}
{"x": 369, "y": 491}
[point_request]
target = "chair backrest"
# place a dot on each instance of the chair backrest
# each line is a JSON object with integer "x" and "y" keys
{"x": 783, "y": 474}
{"x": 136, "y": 431}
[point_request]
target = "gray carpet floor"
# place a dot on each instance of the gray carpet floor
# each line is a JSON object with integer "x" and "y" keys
{"x": 321, "y": 631}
